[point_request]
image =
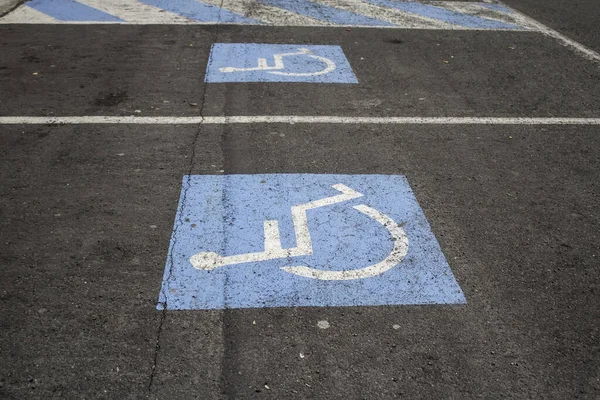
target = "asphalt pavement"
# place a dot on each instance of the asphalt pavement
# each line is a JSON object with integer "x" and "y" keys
{"x": 577, "y": 19}
{"x": 91, "y": 213}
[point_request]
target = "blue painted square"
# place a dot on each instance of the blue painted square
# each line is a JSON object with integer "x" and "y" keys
{"x": 251, "y": 62}
{"x": 368, "y": 243}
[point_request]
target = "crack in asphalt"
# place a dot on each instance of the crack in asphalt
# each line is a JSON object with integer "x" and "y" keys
{"x": 227, "y": 390}
{"x": 179, "y": 222}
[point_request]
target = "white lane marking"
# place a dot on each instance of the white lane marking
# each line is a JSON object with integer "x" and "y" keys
{"x": 295, "y": 119}
{"x": 27, "y": 15}
{"x": 141, "y": 13}
{"x": 577, "y": 47}
{"x": 267, "y": 14}
{"x": 478, "y": 10}
{"x": 208, "y": 261}
{"x": 397, "y": 254}
{"x": 397, "y": 17}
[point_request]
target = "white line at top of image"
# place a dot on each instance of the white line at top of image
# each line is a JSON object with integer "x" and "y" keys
{"x": 295, "y": 119}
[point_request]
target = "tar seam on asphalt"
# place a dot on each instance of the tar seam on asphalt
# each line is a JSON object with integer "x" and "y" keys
{"x": 184, "y": 190}
{"x": 224, "y": 388}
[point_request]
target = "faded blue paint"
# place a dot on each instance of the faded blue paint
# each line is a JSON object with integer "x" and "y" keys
{"x": 225, "y": 214}
{"x": 325, "y": 13}
{"x": 246, "y": 55}
{"x": 444, "y": 15}
{"x": 202, "y": 12}
{"x": 74, "y": 11}
{"x": 69, "y": 10}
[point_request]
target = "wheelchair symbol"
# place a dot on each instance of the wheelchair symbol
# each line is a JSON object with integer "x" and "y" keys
{"x": 273, "y": 250}
{"x": 279, "y": 65}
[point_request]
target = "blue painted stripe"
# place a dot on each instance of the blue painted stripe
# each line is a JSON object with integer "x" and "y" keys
{"x": 70, "y": 10}
{"x": 325, "y": 13}
{"x": 198, "y": 11}
{"x": 441, "y": 14}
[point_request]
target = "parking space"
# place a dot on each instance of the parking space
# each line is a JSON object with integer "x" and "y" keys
{"x": 398, "y": 73}
{"x": 89, "y": 224}
{"x": 152, "y": 249}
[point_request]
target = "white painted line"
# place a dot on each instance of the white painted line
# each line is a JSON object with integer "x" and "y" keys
{"x": 93, "y": 120}
{"x": 265, "y": 13}
{"x": 479, "y": 10}
{"x": 297, "y": 119}
{"x": 394, "y": 258}
{"x": 562, "y": 39}
{"x": 136, "y": 11}
{"x": 397, "y": 17}
{"x": 27, "y": 15}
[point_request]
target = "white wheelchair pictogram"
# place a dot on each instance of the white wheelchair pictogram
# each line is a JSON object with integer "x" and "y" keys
{"x": 273, "y": 250}
{"x": 279, "y": 66}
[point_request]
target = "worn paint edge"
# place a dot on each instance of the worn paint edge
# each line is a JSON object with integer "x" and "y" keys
{"x": 10, "y": 6}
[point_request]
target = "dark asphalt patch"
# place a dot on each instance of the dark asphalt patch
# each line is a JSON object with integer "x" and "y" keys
{"x": 514, "y": 209}
{"x": 99, "y": 70}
